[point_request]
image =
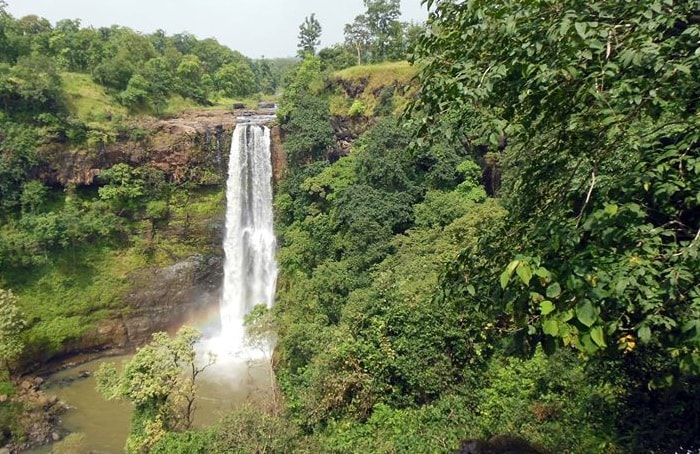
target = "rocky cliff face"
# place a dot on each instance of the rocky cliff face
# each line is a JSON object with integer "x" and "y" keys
{"x": 279, "y": 157}
{"x": 194, "y": 147}
{"x": 160, "y": 299}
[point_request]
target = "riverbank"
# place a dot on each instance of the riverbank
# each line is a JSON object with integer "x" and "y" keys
{"x": 40, "y": 423}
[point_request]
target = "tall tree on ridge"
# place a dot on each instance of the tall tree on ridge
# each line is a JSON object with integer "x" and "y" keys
{"x": 375, "y": 32}
{"x": 358, "y": 35}
{"x": 383, "y": 21}
{"x": 309, "y": 34}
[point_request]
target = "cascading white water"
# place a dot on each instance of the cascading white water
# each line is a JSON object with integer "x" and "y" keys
{"x": 250, "y": 271}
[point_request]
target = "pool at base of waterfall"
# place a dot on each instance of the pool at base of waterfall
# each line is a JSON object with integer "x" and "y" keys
{"x": 104, "y": 424}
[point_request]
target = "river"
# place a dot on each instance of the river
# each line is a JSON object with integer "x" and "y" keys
{"x": 105, "y": 424}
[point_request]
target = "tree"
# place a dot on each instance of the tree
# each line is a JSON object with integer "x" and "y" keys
{"x": 114, "y": 73}
{"x": 33, "y": 196}
{"x": 74, "y": 48}
{"x": 358, "y": 35}
{"x": 124, "y": 54}
{"x": 266, "y": 80}
{"x": 160, "y": 381}
{"x": 309, "y": 129}
{"x": 382, "y": 19}
{"x": 375, "y": 31}
{"x": 11, "y": 326}
{"x": 185, "y": 42}
{"x": 309, "y": 34}
{"x": 214, "y": 55}
{"x": 598, "y": 103}
{"x": 235, "y": 79}
{"x": 306, "y": 79}
{"x": 30, "y": 87}
{"x": 336, "y": 57}
{"x": 124, "y": 190}
{"x": 188, "y": 78}
{"x": 32, "y": 34}
{"x": 160, "y": 76}
{"x": 17, "y": 157}
{"x": 137, "y": 93}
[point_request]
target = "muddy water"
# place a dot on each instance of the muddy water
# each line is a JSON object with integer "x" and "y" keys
{"x": 105, "y": 424}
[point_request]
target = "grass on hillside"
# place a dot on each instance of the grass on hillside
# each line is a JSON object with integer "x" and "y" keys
{"x": 250, "y": 102}
{"x": 88, "y": 101}
{"x": 382, "y": 88}
{"x": 380, "y": 74}
{"x": 178, "y": 105}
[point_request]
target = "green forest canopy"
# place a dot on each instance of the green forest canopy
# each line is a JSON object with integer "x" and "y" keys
{"x": 518, "y": 253}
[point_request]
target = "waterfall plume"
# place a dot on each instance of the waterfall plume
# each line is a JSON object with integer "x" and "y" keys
{"x": 250, "y": 271}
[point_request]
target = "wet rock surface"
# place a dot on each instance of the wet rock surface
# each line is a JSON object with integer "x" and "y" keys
{"x": 161, "y": 299}
{"x": 166, "y": 297}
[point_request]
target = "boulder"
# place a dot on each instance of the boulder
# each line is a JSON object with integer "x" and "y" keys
{"x": 266, "y": 105}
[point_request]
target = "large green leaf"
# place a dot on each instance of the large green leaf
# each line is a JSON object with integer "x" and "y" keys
{"x": 547, "y": 307}
{"x": 644, "y": 333}
{"x": 598, "y": 337}
{"x": 508, "y": 272}
{"x": 550, "y": 327}
{"x": 524, "y": 272}
{"x": 586, "y": 313}
{"x": 554, "y": 290}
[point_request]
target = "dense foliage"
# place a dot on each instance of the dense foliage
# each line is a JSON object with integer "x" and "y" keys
{"x": 377, "y": 34}
{"x": 567, "y": 306}
{"x": 599, "y": 251}
{"x": 142, "y": 71}
{"x": 11, "y": 325}
{"x": 367, "y": 342}
{"x": 602, "y": 143}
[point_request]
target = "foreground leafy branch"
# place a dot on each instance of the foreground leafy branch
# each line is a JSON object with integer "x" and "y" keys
{"x": 602, "y": 168}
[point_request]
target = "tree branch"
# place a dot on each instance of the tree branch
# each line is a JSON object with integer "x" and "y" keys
{"x": 588, "y": 198}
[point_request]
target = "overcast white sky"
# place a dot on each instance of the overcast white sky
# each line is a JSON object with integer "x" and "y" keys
{"x": 252, "y": 27}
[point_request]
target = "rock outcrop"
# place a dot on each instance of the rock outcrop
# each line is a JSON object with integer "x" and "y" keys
{"x": 167, "y": 297}
{"x": 194, "y": 147}
{"x": 160, "y": 299}
{"x": 279, "y": 157}
{"x": 39, "y": 422}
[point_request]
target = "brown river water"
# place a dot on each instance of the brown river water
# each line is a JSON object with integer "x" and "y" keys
{"x": 105, "y": 424}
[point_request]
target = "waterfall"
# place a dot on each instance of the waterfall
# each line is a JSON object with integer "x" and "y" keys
{"x": 250, "y": 271}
